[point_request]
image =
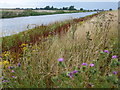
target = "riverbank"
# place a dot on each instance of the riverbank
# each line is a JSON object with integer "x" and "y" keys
{"x": 22, "y": 13}
{"x": 85, "y": 56}
{"x": 36, "y": 34}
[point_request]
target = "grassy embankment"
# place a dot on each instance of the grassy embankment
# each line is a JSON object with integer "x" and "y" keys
{"x": 11, "y": 14}
{"x": 86, "y": 56}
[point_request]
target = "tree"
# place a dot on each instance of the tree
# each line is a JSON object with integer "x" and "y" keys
{"x": 103, "y": 10}
{"x": 98, "y": 9}
{"x": 52, "y": 8}
{"x": 81, "y": 9}
{"x": 47, "y": 8}
{"x": 65, "y": 8}
{"x": 36, "y": 8}
{"x": 72, "y": 8}
{"x": 110, "y": 9}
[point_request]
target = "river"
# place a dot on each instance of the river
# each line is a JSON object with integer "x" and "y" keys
{"x": 12, "y": 26}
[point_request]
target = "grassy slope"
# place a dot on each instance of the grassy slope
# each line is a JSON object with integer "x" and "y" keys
{"x": 35, "y": 34}
{"x": 81, "y": 44}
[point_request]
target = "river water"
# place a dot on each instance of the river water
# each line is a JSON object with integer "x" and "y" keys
{"x": 12, "y": 26}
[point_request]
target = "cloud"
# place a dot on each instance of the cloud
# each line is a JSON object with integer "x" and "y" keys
{"x": 35, "y": 3}
{"x": 32, "y": 1}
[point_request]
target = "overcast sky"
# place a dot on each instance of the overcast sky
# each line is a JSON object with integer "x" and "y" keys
{"x": 22, "y": 1}
{"x": 35, "y": 3}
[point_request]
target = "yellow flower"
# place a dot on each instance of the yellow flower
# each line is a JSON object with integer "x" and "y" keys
{"x": 23, "y": 45}
{"x": 5, "y": 62}
{"x": 6, "y": 53}
{"x": 24, "y": 48}
{"x": 81, "y": 22}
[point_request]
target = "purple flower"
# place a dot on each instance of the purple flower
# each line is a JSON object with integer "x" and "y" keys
{"x": 113, "y": 57}
{"x": 75, "y": 71}
{"x": 91, "y": 65}
{"x": 70, "y": 75}
{"x": 9, "y": 67}
{"x": 60, "y": 59}
{"x": 12, "y": 71}
{"x": 13, "y": 76}
{"x": 106, "y": 51}
{"x": 5, "y": 81}
{"x": 19, "y": 64}
{"x": 114, "y": 72}
{"x": 84, "y": 64}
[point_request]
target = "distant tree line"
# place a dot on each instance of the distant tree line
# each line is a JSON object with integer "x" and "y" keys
{"x": 52, "y": 8}
{"x": 63, "y": 8}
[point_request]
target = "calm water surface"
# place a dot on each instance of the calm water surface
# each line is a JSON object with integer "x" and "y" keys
{"x": 15, "y": 25}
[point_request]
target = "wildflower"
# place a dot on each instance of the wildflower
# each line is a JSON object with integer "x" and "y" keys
{"x": 6, "y": 55}
{"x": 106, "y": 51}
{"x": 5, "y": 81}
{"x": 6, "y": 62}
{"x": 84, "y": 64}
{"x": 22, "y": 45}
{"x": 91, "y": 65}
{"x": 70, "y": 75}
{"x": 9, "y": 67}
{"x": 19, "y": 64}
{"x": 114, "y": 72}
{"x": 12, "y": 71}
{"x": 13, "y": 76}
{"x": 24, "y": 48}
{"x": 75, "y": 71}
{"x": 60, "y": 59}
{"x": 113, "y": 57}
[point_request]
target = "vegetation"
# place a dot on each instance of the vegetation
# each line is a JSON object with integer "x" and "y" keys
{"x": 52, "y": 8}
{"x": 68, "y": 59}
{"x": 110, "y": 9}
{"x": 37, "y": 33}
{"x": 10, "y": 14}
{"x": 31, "y": 12}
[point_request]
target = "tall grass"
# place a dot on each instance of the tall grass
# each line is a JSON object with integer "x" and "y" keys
{"x": 36, "y": 34}
{"x": 76, "y": 59}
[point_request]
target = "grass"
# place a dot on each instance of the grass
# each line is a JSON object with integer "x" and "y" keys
{"x": 36, "y": 34}
{"x": 68, "y": 60}
{"x": 10, "y": 14}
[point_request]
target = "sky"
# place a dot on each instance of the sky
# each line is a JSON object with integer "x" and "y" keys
{"x": 43, "y": 3}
